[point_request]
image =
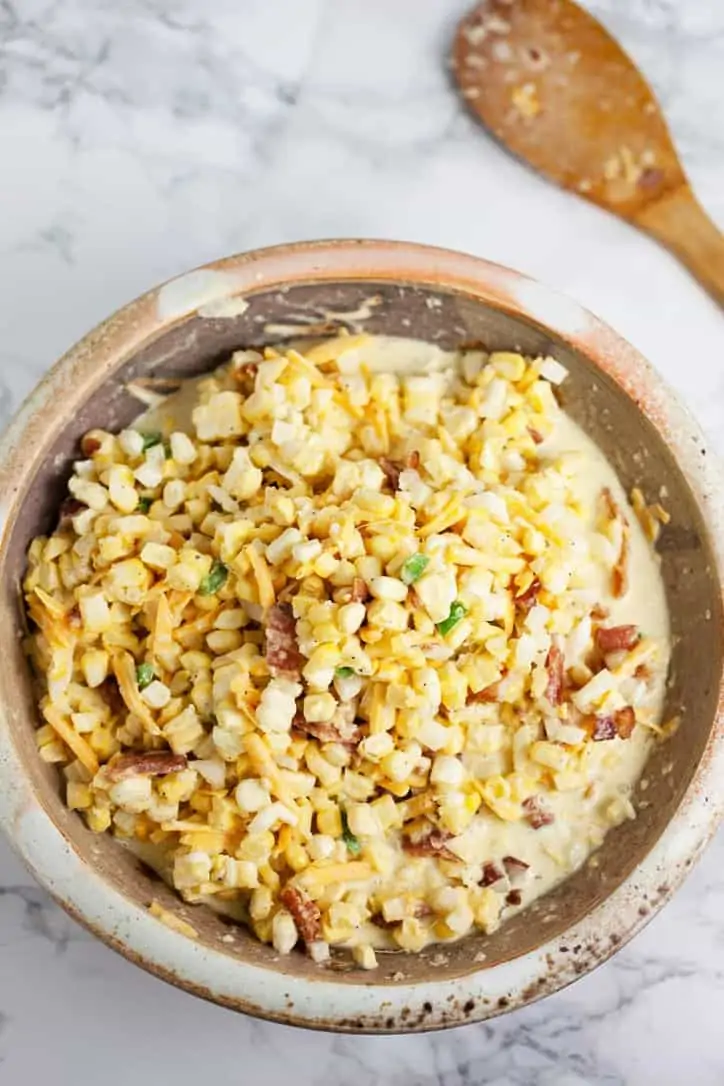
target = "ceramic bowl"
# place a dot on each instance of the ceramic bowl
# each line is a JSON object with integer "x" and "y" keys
{"x": 189, "y": 325}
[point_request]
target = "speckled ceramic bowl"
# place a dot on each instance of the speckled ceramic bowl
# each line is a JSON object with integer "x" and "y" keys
{"x": 188, "y": 326}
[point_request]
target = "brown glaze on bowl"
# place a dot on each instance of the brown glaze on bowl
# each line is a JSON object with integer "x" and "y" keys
{"x": 187, "y": 327}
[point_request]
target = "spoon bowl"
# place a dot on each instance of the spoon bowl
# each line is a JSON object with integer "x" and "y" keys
{"x": 553, "y": 86}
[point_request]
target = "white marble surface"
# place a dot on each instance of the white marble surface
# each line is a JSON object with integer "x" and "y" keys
{"x": 141, "y": 138}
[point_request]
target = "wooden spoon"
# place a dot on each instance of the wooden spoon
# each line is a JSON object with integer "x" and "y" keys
{"x": 556, "y": 89}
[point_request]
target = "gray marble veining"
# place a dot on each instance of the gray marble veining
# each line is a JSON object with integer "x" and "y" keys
{"x": 140, "y": 139}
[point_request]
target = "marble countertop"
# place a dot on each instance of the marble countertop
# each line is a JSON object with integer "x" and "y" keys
{"x": 142, "y": 138}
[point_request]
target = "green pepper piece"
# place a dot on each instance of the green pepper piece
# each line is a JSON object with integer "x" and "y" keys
{"x": 348, "y": 837}
{"x": 414, "y": 568}
{"x": 214, "y": 579}
{"x": 457, "y": 611}
{"x": 144, "y": 675}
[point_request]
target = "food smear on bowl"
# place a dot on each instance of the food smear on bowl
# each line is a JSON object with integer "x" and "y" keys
{"x": 360, "y": 642}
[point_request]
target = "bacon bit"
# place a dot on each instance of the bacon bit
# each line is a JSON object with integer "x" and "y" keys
{"x": 536, "y": 435}
{"x": 433, "y": 844}
{"x": 625, "y": 720}
{"x": 616, "y": 638}
{"x": 89, "y": 445}
{"x": 282, "y": 650}
{"x": 514, "y": 898}
{"x": 515, "y": 869}
{"x": 392, "y": 469}
{"x": 526, "y": 600}
{"x": 555, "y": 666}
{"x": 619, "y": 724}
{"x": 643, "y": 671}
{"x": 599, "y": 612}
{"x": 150, "y": 763}
{"x": 537, "y": 813}
{"x": 603, "y": 728}
{"x": 487, "y": 694}
{"x": 492, "y": 873}
{"x": 245, "y": 376}
{"x": 336, "y": 730}
{"x": 360, "y": 591}
{"x": 69, "y": 509}
{"x": 112, "y": 696}
{"x": 412, "y": 460}
{"x": 306, "y": 914}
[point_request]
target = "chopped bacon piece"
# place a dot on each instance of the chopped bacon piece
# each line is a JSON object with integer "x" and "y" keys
{"x": 616, "y": 638}
{"x": 599, "y": 612}
{"x": 514, "y": 898}
{"x": 282, "y": 650}
{"x": 151, "y": 763}
{"x": 625, "y": 720}
{"x": 537, "y": 813}
{"x": 305, "y": 912}
{"x": 488, "y": 693}
{"x": 526, "y": 600}
{"x": 515, "y": 869}
{"x": 492, "y": 873}
{"x": 89, "y": 445}
{"x": 340, "y": 729}
{"x": 112, "y": 696}
{"x": 432, "y": 844}
{"x": 603, "y": 728}
{"x": 619, "y": 724}
{"x": 392, "y": 469}
{"x": 536, "y": 435}
{"x": 555, "y": 666}
{"x": 360, "y": 591}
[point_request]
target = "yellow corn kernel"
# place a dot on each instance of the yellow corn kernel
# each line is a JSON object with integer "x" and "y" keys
{"x": 329, "y": 822}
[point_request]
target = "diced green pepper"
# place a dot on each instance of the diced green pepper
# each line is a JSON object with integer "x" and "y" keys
{"x": 144, "y": 504}
{"x": 348, "y": 837}
{"x": 457, "y": 611}
{"x": 144, "y": 675}
{"x": 344, "y": 672}
{"x": 414, "y": 568}
{"x": 152, "y": 438}
{"x": 214, "y": 579}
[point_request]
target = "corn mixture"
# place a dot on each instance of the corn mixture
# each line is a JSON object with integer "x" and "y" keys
{"x": 347, "y": 655}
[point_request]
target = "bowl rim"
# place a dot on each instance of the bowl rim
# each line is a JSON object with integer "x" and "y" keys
{"x": 368, "y": 1007}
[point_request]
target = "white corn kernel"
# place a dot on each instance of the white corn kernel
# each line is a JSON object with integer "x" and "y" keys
{"x": 183, "y": 449}
{"x": 174, "y": 493}
{"x": 447, "y": 770}
{"x": 365, "y": 956}
{"x": 251, "y": 795}
{"x": 269, "y": 816}
{"x": 319, "y": 708}
{"x": 388, "y": 588}
{"x": 158, "y": 556}
{"x": 284, "y": 932}
{"x": 351, "y": 616}
{"x": 156, "y": 694}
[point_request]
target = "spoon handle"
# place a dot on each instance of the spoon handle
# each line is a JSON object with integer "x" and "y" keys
{"x": 680, "y": 223}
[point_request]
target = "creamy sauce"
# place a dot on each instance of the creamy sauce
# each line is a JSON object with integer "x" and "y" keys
{"x": 582, "y": 816}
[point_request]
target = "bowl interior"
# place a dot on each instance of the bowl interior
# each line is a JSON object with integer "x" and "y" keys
{"x": 636, "y": 450}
